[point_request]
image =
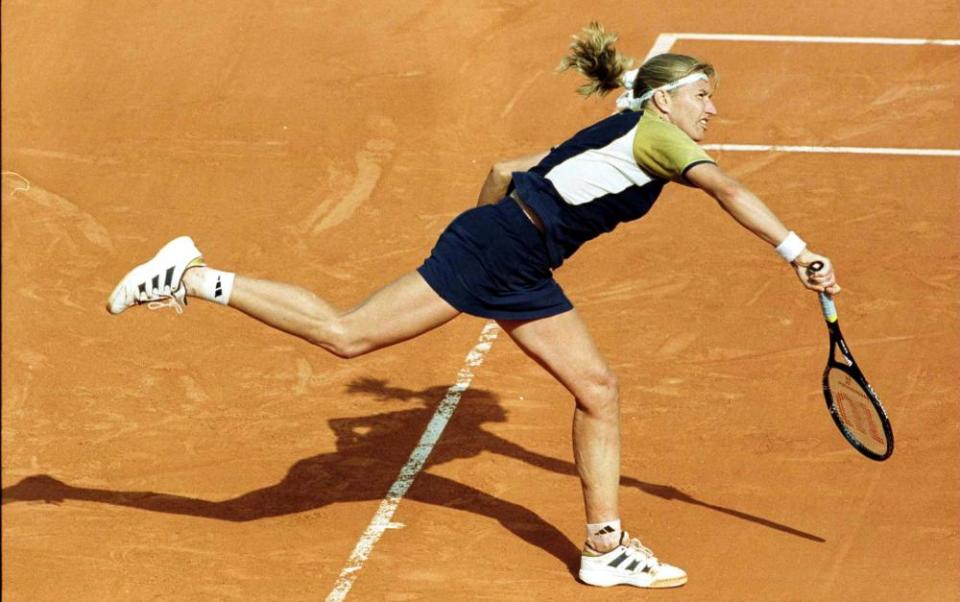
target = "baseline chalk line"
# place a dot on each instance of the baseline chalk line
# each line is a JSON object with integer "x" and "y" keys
{"x": 747, "y": 37}
{"x": 382, "y": 519}
{"x": 854, "y": 150}
{"x": 665, "y": 41}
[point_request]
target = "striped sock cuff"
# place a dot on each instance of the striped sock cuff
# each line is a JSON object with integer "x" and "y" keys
{"x": 216, "y": 286}
{"x": 603, "y": 536}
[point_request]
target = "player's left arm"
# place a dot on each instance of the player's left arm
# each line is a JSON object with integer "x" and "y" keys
{"x": 754, "y": 215}
{"x": 498, "y": 180}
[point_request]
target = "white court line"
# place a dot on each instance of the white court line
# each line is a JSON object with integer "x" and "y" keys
{"x": 854, "y": 150}
{"x": 665, "y": 41}
{"x": 746, "y": 37}
{"x": 382, "y": 519}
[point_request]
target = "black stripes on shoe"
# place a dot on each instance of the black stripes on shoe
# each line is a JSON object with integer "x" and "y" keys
{"x": 154, "y": 288}
{"x": 155, "y": 281}
{"x": 630, "y": 567}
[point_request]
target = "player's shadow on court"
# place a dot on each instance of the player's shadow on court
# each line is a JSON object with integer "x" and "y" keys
{"x": 370, "y": 452}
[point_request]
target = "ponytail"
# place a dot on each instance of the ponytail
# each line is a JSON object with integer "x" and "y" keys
{"x": 592, "y": 54}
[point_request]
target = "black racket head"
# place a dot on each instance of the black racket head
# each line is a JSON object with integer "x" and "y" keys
{"x": 857, "y": 411}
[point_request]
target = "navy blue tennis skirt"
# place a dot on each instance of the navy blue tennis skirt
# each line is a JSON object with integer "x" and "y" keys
{"x": 492, "y": 262}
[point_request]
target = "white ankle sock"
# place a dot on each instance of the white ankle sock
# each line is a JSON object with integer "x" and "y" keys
{"x": 216, "y": 286}
{"x": 603, "y": 536}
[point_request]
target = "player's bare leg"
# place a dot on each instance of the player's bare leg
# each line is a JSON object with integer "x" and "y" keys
{"x": 563, "y": 346}
{"x": 399, "y": 311}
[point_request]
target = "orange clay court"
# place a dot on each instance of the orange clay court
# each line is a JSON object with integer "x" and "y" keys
{"x": 203, "y": 456}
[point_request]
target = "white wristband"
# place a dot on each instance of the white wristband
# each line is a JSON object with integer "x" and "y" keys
{"x": 791, "y": 247}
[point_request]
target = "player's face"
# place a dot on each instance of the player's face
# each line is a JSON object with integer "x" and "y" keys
{"x": 692, "y": 108}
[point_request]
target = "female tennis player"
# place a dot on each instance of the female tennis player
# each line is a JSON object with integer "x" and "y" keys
{"x": 496, "y": 261}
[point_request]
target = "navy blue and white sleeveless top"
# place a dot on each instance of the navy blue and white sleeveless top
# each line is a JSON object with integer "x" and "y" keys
{"x": 611, "y": 172}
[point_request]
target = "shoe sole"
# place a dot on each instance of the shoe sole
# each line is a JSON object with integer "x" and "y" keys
{"x": 611, "y": 580}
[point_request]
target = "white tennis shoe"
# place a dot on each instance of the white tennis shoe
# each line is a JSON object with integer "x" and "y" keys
{"x": 629, "y": 563}
{"x": 158, "y": 282}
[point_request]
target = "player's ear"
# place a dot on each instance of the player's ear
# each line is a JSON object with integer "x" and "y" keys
{"x": 662, "y": 100}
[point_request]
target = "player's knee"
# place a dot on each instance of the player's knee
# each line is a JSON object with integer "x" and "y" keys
{"x": 339, "y": 340}
{"x": 343, "y": 350}
{"x": 348, "y": 348}
{"x": 601, "y": 393}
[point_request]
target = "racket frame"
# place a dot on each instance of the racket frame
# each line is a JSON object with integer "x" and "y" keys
{"x": 849, "y": 367}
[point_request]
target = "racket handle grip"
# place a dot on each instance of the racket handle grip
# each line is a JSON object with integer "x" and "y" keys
{"x": 827, "y": 305}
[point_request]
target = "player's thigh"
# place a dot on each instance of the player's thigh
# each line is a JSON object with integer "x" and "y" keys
{"x": 562, "y": 344}
{"x": 401, "y": 310}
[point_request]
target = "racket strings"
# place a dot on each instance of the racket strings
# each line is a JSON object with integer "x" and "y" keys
{"x": 857, "y": 412}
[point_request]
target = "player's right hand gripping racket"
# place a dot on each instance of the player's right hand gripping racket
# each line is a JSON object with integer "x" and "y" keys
{"x": 851, "y": 400}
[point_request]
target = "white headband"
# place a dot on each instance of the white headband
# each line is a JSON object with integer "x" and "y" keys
{"x": 628, "y": 101}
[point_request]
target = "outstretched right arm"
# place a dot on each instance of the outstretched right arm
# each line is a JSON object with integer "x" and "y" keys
{"x": 498, "y": 180}
{"x": 754, "y": 215}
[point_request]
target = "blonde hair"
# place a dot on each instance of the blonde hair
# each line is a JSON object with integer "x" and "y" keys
{"x": 592, "y": 53}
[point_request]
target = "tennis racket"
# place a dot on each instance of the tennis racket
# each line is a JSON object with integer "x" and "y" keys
{"x": 851, "y": 400}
